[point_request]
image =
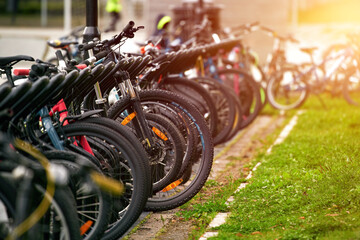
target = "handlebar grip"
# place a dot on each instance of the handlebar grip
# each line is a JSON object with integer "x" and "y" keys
{"x": 21, "y": 72}
{"x": 128, "y": 27}
{"x": 98, "y": 56}
{"x": 101, "y": 55}
{"x": 81, "y": 66}
{"x": 86, "y": 46}
{"x": 38, "y": 69}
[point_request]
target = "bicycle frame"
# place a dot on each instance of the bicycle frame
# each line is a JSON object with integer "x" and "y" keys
{"x": 339, "y": 59}
{"x": 127, "y": 89}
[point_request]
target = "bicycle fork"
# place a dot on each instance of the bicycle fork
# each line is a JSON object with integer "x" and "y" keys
{"x": 140, "y": 124}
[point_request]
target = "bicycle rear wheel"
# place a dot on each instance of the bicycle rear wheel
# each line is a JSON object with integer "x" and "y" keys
{"x": 197, "y": 95}
{"x": 225, "y": 105}
{"x": 246, "y": 89}
{"x": 286, "y": 90}
{"x": 351, "y": 88}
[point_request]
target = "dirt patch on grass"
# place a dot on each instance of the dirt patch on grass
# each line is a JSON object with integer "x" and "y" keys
{"x": 231, "y": 160}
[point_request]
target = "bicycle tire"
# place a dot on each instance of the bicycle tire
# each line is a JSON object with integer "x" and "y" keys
{"x": 225, "y": 107}
{"x": 64, "y": 221}
{"x": 351, "y": 88}
{"x": 196, "y": 94}
{"x": 136, "y": 178}
{"x": 89, "y": 201}
{"x": 247, "y": 91}
{"x": 168, "y": 128}
{"x": 286, "y": 90}
{"x": 176, "y": 146}
{"x": 66, "y": 203}
{"x": 182, "y": 122}
{"x": 7, "y": 200}
{"x": 166, "y": 201}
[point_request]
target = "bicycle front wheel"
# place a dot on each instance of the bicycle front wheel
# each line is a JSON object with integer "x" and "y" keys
{"x": 183, "y": 189}
{"x": 121, "y": 160}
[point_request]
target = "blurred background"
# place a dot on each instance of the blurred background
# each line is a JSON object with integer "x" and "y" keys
{"x": 24, "y": 23}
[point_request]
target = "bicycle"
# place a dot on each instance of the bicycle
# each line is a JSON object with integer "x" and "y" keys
{"x": 292, "y": 90}
{"x": 132, "y": 158}
{"x": 58, "y": 221}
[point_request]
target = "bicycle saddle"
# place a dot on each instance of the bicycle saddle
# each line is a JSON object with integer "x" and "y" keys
{"x": 46, "y": 93}
{"x": 130, "y": 61}
{"x": 137, "y": 61}
{"x": 308, "y": 50}
{"x": 68, "y": 81}
{"x": 107, "y": 68}
{"x": 36, "y": 87}
{"x": 124, "y": 63}
{"x": 107, "y": 81}
{"x": 5, "y": 61}
{"x": 15, "y": 94}
{"x": 171, "y": 57}
{"x": 96, "y": 71}
{"x": 84, "y": 73}
{"x": 90, "y": 82}
{"x": 177, "y": 64}
{"x": 140, "y": 67}
{"x": 82, "y": 86}
{"x": 5, "y": 89}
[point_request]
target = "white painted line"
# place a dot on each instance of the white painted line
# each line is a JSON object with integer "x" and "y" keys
{"x": 219, "y": 220}
{"x": 208, "y": 234}
{"x": 230, "y": 200}
{"x": 250, "y": 173}
{"x": 242, "y": 185}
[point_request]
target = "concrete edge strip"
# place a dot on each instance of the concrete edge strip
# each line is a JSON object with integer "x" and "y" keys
{"x": 220, "y": 218}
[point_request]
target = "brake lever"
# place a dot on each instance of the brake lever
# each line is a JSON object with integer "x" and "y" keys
{"x": 140, "y": 27}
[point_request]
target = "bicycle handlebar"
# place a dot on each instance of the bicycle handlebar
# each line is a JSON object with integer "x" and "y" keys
{"x": 87, "y": 46}
{"x": 96, "y": 57}
{"x": 274, "y": 34}
{"x": 247, "y": 26}
{"x": 128, "y": 32}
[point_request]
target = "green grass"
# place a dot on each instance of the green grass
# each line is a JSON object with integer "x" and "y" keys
{"x": 207, "y": 203}
{"x": 309, "y": 186}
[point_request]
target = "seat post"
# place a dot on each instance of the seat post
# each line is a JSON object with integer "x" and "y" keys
{"x": 9, "y": 76}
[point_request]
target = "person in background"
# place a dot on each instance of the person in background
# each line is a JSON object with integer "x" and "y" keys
{"x": 162, "y": 30}
{"x": 113, "y": 7}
